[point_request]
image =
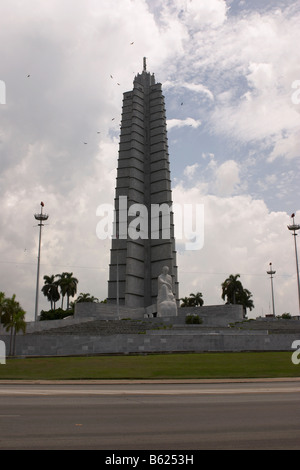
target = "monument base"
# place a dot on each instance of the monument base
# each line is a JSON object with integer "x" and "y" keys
{"x": 167, "y": 309}
{"x": 213, "y": 315}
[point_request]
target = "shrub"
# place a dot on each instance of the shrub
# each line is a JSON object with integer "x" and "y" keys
{"x": 193, "y": 320}
{"x": 57, "y": 314}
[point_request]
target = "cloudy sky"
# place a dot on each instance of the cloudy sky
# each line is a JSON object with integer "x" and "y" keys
{"x": 230, "y": 72}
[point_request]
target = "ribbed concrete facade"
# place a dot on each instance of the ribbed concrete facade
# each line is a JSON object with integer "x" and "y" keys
{"x": 143, "y": 177}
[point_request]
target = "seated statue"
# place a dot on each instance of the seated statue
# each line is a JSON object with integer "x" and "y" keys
{"x": 166, "y": 302}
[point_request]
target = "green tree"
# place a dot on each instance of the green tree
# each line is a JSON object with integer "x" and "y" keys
{"x": 185, "y": 302}
{"x": 2, "y": 303}
{"x": 68, "y": 286}
{"x": 87, "y": 297}
{"x": 13, "y": 320}
{"x": 50, "y": 290}
{"x": 232, "y": 288}
{"x": 244, "y": 299}
{"x": 196, "y": 300}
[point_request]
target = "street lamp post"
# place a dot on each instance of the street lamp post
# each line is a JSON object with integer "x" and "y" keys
{"x": 41, "y": 218}
{"x": 293, "y": 228}
{"x": 271, "y": 272}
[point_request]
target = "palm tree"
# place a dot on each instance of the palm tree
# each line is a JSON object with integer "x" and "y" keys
{"x": 185, "y": 302}
{"x": 13, "y": 320}
{"x": 231, "y": 288}
{"x": 19, "y": 325}
{"x": 68, "y": 286}
{"x": 2, "y": 302}
{"x": 244, "y": 298}
{"x": 196, "y": 299}
{"x": 50, "y": 290}
{"x": 86, "y": 298}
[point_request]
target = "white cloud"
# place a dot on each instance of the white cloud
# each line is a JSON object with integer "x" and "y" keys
{"x": 207, "y": 13}
{"x": 241, "y": 236}
{"x": 210, "y": 155}
{"x": 190, "y": 170}
{"x": 246, "y": 66}
{"x": 195, "y": 87}
{"x": 171, "y": 123}
{"x": 227, "y": 178}
{"x": 287, "y": 146}
{"x": 273, "y": 115}
{"x": 261, "y": 76}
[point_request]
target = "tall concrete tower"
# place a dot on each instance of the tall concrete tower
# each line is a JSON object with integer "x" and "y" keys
{"x": 143, "y": 181}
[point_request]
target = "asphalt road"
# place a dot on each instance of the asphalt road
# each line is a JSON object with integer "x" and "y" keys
{"x": 150, "y": 416}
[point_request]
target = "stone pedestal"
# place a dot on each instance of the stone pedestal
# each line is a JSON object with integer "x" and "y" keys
{"x": 167, "y": 309}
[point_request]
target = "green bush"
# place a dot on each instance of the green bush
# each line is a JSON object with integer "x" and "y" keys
{"x": 193, "y": 320}
{"x": 57, "y": 314}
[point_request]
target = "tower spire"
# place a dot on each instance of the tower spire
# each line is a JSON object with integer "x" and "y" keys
{"x": 145, "y": 64}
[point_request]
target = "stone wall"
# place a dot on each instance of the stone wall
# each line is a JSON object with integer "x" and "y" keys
{"x": 95, "y": 334}
{"x": 33, "y": 326}
{"x": 106, "y": 311}
{"x": 186, "y": 340}
{"x": 219, "y": 316}
{"x": 212, "y": 315}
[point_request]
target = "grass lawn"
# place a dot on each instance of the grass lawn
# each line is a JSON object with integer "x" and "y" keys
{"x": 154, "y": 366}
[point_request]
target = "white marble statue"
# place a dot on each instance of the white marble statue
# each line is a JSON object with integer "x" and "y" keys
{"x": 166, "y": 302}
